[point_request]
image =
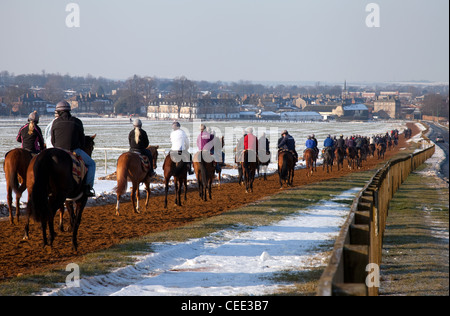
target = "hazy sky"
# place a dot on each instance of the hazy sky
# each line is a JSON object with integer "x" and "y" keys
{"x": 229, "y": 40}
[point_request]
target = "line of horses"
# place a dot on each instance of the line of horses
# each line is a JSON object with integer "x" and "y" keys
{"x": 51, "y": 186}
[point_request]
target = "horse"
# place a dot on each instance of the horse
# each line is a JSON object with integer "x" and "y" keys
{"x": 371, "y": 150}
{"x": 381, "y": 150}
{"x": 361, "y": 155}
{"x": 50, "y": 183}
{"x": 339, "y": 155}
{"x": 178, "y": 170}
{"x": 286, "y": 168}
{"x": 352, "y": 157}
{"x": 15, "y": 167}
{"x": 327, "y": 155}
{"x": 129, "y": 167}
{"x": 248, "y": 167}
{"x": 310, "y": 157}
{"x": 205, "y": 172}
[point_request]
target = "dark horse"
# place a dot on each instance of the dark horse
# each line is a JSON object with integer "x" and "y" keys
{"x": 177, "y": 169}
{"x": 339, "y": 154}
{"x": 129, "y": 167}
{"x": 50, "y": 183}
{"x": 249, "y": 166}
{"x": 286, "y": 167}
{"x": 381, "y": 150}
{"x": 310, "y": 157}
{"x": 204, "y": 172}
{"x": 327, "y": 155}
{"x": 352, "y": 157}
{"x": 15, "y": 167}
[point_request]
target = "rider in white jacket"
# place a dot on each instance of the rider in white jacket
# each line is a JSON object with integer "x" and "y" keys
{"x": 180, "y": 144}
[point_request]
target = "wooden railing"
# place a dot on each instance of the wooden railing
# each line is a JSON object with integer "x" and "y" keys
{"x": 354, "y": 264}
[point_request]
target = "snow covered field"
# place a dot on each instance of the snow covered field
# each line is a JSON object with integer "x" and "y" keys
{"x": 229, "y": 262}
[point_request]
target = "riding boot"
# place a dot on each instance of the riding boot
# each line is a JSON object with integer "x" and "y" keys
{"x": 89, "y": 191}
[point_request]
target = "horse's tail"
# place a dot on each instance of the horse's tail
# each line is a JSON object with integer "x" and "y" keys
{"x": 39, "y": 207}
{"x": 203, "y": 174}
{"x": 122, "y": 181}
{"x": 284, "y": 168}
{"x": 11, "y": 174}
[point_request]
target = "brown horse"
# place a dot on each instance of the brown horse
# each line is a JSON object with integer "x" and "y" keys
{"x": 339, "y": 156}
{"x": 352, "y": 157}
{"x": 327, "y": 155}
{"x": 15, "y": 167}
{"x": 178, "y": 169}
{"x": 310, "y": 157}
{"x": 204, "y": 172}
{"x": 129, "y": 167}
{"x": 286, "y": 168}
{"x": 50, "y": 183}
{"x": 248, "y": 167}
{"x": 381, "y": 150}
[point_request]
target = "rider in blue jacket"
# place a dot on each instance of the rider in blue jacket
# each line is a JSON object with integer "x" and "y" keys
{"x": 310, "y": 143}
{"x": 328, "y": 142}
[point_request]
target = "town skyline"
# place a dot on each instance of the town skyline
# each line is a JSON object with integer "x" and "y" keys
{"x": 269, "y": 41}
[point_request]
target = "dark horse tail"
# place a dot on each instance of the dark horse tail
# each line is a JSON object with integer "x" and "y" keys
{"x": 284, "y": 168}
{"x": 39, "y": 207}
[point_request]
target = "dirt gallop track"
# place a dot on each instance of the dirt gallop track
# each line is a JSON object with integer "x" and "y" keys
{"x": 100, "y": 228}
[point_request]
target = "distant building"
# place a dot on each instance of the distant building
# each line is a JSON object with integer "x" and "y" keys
{"x": 352, "y": 111}
{"x": 91, "y": 103}
{"x": 389, "y": 105}
{"x": 207, "y": 109}
{"x": 301, "y": 116}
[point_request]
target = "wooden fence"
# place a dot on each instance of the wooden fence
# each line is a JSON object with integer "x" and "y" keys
{"x": 353, "y": 267}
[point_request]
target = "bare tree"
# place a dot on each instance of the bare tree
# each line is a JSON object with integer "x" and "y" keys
{"x": 184, "y": 91}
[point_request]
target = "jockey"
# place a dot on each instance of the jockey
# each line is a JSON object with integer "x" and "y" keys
{"x": 30, "y": 135}
{"x": 264, "y": 149}
{"x": 316, "y": 144}
{"x": 180, "y": 145}
{"x": 310, "y": 144}
{"x": 328, "y": 142}
{"x": 204, "y": 138}
{"x": 68, "y": 133}
{"x": 251, "y": 143}
{"x": 139, "y": 142}
{"x": 287, "y": 142}
{"x": 340, "y": 143}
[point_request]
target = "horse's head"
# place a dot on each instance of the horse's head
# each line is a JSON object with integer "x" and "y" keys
{"x": 154, "y": 151}
{"x": 89, "y": 144}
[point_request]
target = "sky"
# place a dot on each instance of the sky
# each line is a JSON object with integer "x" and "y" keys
{"x": 229, "y": 40}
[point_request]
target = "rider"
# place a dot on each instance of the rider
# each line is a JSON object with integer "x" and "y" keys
{"x": 316, "y": 144}
{"x": 139, "y": 142}
{"x": 30, "y": 135}
{"x": 251, "y": 143}
{"x": 180, "y": 145}
{"x": 68, "y": 133}
{"x": 328, "y": 144}
{"x": 287, "y": 142}
{"x": 310, "y": 143}
{"x": 340, "y": 143}
{"x": 264, "y": 148}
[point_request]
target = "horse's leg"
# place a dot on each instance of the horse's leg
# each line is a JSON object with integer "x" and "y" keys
{"x": 61, "y": 216}
{"x": 185, "y": 189}
{"x": 147, "y": 189}
{"x": 9, "y": 202}
{"x": 79, "y": 211}
{"x": 166, "y": 192}
{"x": 136, "y": 197}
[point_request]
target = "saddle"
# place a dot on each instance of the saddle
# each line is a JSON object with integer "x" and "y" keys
{"x": 145, "y": 162}
{"x": 79, "y": 169}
